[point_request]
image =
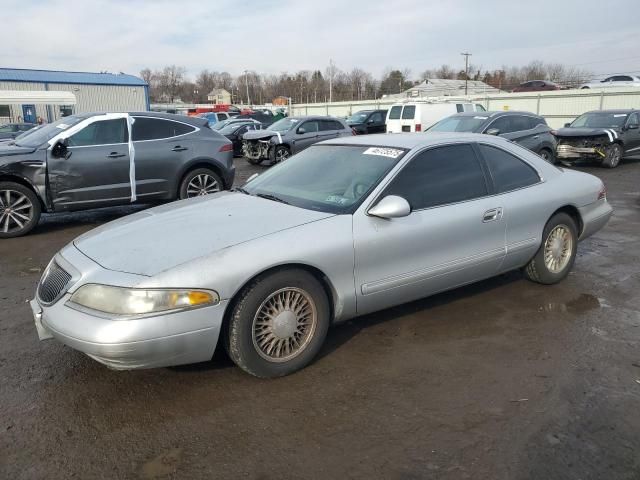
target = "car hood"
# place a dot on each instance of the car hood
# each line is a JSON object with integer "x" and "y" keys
{"x": 8, "y": 149}
{"x": 587, "y": 132}
{"x": 260, "y": 134}
{"x": 158, "y": 239}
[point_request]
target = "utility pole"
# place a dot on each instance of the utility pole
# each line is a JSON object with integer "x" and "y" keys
{"x": 466, "y": 70}
{"x": 246, "y": 80}
{"x": 330, "y": 80}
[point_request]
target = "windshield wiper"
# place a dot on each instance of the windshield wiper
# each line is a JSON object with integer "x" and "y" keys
{"x": 241, "y": 190}
{"x": 268, "y": 196}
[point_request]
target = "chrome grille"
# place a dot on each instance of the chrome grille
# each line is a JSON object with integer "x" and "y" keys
{"x": 53, "y": 284}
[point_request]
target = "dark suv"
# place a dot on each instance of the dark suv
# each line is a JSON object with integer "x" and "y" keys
{"x": 87, "y": 161}
{"x": 529, "y": 130}
{"x": 368, "y": 121}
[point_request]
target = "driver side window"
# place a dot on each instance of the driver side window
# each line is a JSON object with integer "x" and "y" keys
{"x": 104, "y": 132}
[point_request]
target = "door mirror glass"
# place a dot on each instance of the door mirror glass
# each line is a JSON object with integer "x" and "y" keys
{"x": 633, "y": 126}
{"x": 60, "y": 150}
{"x": 301, "y": 130}
{"x": 493, "y": 131}
{"x": 370, "y": 120}
{"x": 391, "y": 206}
{"x": 567, "y": 125}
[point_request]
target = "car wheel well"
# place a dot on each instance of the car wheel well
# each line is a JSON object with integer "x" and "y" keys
{"x": 574, "y": 214}
{"x": 197, "y": 165}
{"x": 317, "y": 273}
{"x": 24, "y": 183}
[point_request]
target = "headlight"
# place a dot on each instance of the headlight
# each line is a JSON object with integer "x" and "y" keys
{"x": 133, "y": 301}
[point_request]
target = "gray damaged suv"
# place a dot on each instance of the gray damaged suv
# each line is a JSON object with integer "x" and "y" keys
{"x": 527, "y": 129}
{"x": 289, "y": 136}
{"x": 85, "y": 161}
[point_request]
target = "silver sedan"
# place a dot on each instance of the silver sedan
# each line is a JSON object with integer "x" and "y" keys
{"x": 347, "y": 227}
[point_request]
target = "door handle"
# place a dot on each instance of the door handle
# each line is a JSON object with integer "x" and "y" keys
{"x": 115, "y": 155}
{"x": 179, "y": 148}
{"x": 492, "y": 215}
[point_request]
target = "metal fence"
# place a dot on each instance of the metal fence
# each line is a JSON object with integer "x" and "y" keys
{"x": 558, "y": 107}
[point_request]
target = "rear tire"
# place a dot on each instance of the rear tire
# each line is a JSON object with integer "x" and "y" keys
{"x": 614, "y": 155}
{"x": 553, "y": 262}
{"x": 19, "y": 210}
{"x": 279, "y": 324}
{"x": 199, "y": 182}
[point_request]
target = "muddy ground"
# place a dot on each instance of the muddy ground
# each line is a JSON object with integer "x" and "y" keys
{"x": 504, "y": 379}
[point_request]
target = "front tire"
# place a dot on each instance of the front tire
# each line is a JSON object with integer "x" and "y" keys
{"x": 548, "y": 155}
{"x": 199, "y": 182}
{"x": 556, "y": 256}
{"x": 281, "y": 153}
{"x": 613, "y": 156}
{"x": 19, "y": 210}
{"x": 279, "y": 324}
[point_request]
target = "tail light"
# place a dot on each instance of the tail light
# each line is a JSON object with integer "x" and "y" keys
{"x": 353, "y": 131}
{"x": 227, "y": 147}
{"x": 602, "y": 194}
{"x": 418, "y": 127}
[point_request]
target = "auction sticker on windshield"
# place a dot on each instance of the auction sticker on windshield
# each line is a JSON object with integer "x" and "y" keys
{"x": 383, "y": 152}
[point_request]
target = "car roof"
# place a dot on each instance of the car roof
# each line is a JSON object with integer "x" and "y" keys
{"x": 411, "y": 141}
{"x": 616, "y": 110}
{"x": 195, "y": 121}
{"x": 314, "y": 117}
{"x": 495, "y": 113}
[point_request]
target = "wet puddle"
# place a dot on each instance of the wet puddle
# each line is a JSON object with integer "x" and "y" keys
{"x": 583, "y": 303}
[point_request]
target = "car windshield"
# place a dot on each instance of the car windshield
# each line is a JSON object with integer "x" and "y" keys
{"x": 38, "y": 136}
{"x": 284, "y": 125}
{"x": 358, "y": 117}
{"x": 600, "y": 120}
{"x": 230, "y": 128}
{"x": 463, "y": 123}
{"x": 327, "y": 178}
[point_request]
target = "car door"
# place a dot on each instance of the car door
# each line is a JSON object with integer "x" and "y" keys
{"x": 525, "y": 211}
{"x": 454, "y": 234}
{"x": 304, "y": 135}
{"x": 632, "y": 134}
{"x": 375, "y": 123}
{"x": 162, "y": 148}
{"x": 327, "y": 129}
{"x": 96, "y": 170}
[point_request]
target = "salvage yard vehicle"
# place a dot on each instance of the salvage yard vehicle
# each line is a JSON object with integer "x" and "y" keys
{"x": 419, "y": 116}
{"x": 368, "y": 121}
{"x": 617, "y": 81}
{"x": 220, "y": 125}
{"x": 235, "y": 130}
{"x": 529, "y": 130}
{"x": 537, "y": 86}
{"x": 347, "y": 227}
{"x": 89, "y": 160}
{"x": 603, "y": 135}
{"x": 289, "y": 136}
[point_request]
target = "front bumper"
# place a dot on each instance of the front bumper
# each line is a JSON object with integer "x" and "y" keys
{"x": 569, "y": 151}
{"x": 177, "y": 338}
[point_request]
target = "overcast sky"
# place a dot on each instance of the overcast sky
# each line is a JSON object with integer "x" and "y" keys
{"x": 272, "y": 36}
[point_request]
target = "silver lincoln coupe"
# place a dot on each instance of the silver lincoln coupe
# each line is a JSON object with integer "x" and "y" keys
{"x": 347, "y": 227}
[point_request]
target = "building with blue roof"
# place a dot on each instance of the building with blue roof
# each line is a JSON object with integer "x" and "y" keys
{"x": 94, "y": 92}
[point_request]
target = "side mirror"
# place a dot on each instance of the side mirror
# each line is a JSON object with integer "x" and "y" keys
{"x": 301, "y": 130}
{"x": 391, "y": 206}
{"x": 493, "y": 131}
{"x": 370, "y": 120}
{"x": 633, "y": 126}
{"x": 60, "y": 149}
{"x": 567, "y": 125}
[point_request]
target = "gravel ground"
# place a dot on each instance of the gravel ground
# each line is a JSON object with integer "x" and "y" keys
{"x": 504, "y": 379}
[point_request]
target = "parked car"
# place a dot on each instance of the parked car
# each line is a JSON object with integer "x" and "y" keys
{"x": 214, "y": 117}
{"x": 368, "y": 121}
{"x": 603, "y": 135}
{"x": 615, "y": 81}
{"x": 83, "y": 161}
{"x": 529, "y": 130}
{"x": 537, "y": 86}
{"x": 265, "y": 117}
{"x": 347, "y": 227}
{"x": 235, "y": 130}
{"x": 12, "y": 130}
{"x": 418, "y": 116}
{"x": 220, "y": 125}
{"x": 289, "y": 136}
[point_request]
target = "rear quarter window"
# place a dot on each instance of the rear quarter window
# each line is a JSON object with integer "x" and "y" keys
{"x": 507, "y": 171}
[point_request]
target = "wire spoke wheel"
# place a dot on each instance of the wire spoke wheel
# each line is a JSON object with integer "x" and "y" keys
{"x": 16, "y": 210}
{"x": 558, "y": 248}
{"x": 202, "y": 184}
{"x": 284, "y": 324}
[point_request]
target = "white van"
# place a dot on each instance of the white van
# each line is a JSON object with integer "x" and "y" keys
{"x": 418, "y": 116}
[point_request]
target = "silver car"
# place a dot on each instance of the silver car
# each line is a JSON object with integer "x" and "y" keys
{"x": 345, "y": 228}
